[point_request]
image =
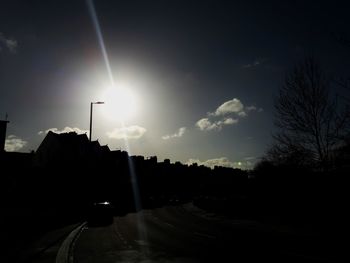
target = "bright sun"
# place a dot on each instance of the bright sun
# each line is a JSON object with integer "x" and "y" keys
{"x": 120, "y": 103}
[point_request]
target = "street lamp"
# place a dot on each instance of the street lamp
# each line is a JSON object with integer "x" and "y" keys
{"x": 97, "y": 102}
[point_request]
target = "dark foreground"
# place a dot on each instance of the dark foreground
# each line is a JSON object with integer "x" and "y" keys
{"x": 186, "y": 234}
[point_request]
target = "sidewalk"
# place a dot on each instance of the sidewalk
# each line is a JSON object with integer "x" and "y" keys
{"x": 45, "y": 249}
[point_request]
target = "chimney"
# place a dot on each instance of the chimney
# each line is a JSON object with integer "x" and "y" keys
{"x": 3, "y": 126}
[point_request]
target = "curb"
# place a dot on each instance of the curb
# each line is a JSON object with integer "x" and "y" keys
{"x": 64, "y": 254}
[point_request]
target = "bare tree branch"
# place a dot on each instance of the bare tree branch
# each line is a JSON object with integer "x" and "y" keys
{"x": 308, "y": 119}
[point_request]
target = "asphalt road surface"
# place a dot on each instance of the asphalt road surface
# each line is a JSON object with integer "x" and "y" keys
{"x": 184, "y": 234}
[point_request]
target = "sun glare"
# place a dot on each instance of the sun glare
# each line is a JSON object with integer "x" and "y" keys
{"x": 120, "y": 103}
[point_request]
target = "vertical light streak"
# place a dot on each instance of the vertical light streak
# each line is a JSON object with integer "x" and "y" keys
{"x": 135, "y": 189}
{"x": 101, "y": 42}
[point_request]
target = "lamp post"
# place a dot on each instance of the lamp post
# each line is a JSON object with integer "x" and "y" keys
{"x": 97, "y": 102}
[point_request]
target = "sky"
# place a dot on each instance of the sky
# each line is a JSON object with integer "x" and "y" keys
{"x": 198, "y": 78}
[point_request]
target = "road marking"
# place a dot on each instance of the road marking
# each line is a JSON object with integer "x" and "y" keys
{"x": 64, "y": 254}
{"x": 124, "y": 242}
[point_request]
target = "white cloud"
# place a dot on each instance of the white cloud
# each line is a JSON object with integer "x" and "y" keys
{"x": 242, "y": 114}
{"x": 131, "y": 132}
{"x": 227, "y": 113}
{"x": 256, "y": 63}
{"x": 222, "y": 161}
{"x": 250, "y": 158}
{"x": 14, "y": 143}
{"x": 250, "y": 108}
{"x": 64, "y": 130}
{"x": 234, "y": 106}
{"x": 10, "y": 43}
{"x": 231, "y": 106}
{"x": 253, "y": 108}
{"x": 179, "y": 133}
{"x": 206, "y": 125}
{"x": 228, "y": 121}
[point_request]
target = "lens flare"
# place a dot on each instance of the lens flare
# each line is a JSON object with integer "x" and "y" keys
{"x": 123, "y": 105}
{"x": 120, "y": 104}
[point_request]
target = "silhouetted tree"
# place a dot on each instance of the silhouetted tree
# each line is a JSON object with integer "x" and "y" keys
{"x": 291, "y": 156}
{"x": 309, "y": 121}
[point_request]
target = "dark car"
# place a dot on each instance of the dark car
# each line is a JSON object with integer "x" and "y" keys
{"x": 100, "y": 214}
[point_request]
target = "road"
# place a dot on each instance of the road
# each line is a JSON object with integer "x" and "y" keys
{"x": 184, "y": 234}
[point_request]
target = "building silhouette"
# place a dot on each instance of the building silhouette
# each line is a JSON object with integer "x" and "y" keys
{"x": 3, "y": 127}
{"x": 68, "y": 148}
